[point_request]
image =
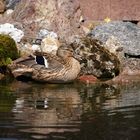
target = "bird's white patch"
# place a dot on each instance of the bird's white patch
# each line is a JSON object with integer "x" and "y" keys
{"x": 45, "y": 62}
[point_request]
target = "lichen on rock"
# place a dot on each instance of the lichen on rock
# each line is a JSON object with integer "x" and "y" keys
{"x": 8, "y": 50}
{"x": 95, "y": 59}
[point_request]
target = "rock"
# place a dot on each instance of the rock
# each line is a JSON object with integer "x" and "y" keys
{"x": 8, "y": 50}
{"x": 50, "y": 42}
{"x": 131, "y": 66}
{"x": 26, "y": 49}
{"x": 45, "y": 33}
{"x": 130, "y": 73}
{"x": 89, "y": 25}
{"x": 50, "y": 45}
{"x": 123, "y": 79}
{"x": 95, "y": 59}
{"x": 46, "y": 42}
{"x": 9, "y": 29}
{"x": 88, "y": 79}
{"x": 114, "y": 46}
{"x": 59, "y": 16}
{"x": 10, "y": 4}
{"x": 8, "y": 12}
{"x": 2, "y": 6}
{"x": 127, "y": 33}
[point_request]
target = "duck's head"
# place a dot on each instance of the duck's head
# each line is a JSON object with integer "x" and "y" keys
{"x": 65, "y": 51}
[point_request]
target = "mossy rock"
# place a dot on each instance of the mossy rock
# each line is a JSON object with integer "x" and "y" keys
{"x": 8, "y": 50}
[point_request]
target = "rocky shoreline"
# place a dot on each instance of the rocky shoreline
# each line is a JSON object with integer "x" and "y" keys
{"x": 47, "y": 25}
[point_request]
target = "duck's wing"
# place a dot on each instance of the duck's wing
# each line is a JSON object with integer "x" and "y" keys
{"x": 23, "y": 59}
{"x": 19, "y": 67}
{"x": 53, "y": 61}
{"x": 28, "y": 66}
{"x": 27, "y": 61}
{"x": 24, "y": 66}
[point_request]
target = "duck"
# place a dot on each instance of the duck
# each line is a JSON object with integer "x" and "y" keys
{"x": 45, "y": 67}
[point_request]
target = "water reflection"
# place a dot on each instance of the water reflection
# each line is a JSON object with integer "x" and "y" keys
{"x": 73, "y": 111}
{"x": 111, "y": 112}
{"x": 47, "y": 109}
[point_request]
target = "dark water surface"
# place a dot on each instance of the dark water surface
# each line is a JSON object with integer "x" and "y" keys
{"x": 33, "y": 111}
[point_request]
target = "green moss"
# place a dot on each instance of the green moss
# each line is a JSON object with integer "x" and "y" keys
{"x": 8, "y": 50}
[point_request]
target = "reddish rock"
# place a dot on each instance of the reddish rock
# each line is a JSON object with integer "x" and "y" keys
{"x": 114, "y": 9}
{"x": 88, "y": 79}
{"x": 60, "y": 16}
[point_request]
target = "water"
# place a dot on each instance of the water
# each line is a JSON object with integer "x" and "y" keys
{"x": 33, "y": 111}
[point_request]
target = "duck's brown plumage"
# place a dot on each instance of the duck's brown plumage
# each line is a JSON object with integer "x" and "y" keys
{"x": 61, "y": 68}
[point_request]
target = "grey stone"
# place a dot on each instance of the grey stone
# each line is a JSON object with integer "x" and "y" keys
{"x": 10, "y": 4}
{"x": 127, "y": 33}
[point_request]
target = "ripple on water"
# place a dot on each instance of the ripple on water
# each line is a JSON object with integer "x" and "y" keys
{"x": 75, "y": 111}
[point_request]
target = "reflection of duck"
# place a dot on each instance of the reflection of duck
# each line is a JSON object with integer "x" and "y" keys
{"x": 41, "y": 103}
{"x": 47, "y": 67}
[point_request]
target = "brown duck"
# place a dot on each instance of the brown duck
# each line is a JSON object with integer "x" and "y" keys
{"x": 44, "y": 67}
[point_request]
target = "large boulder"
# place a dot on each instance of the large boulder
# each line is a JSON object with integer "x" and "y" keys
{"x": 95, "y": 59}
{"x": 60, "y": 16}
{"x": 126, "y": 32}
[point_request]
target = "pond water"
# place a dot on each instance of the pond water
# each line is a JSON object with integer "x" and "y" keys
{"x": 33, "y": 111}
